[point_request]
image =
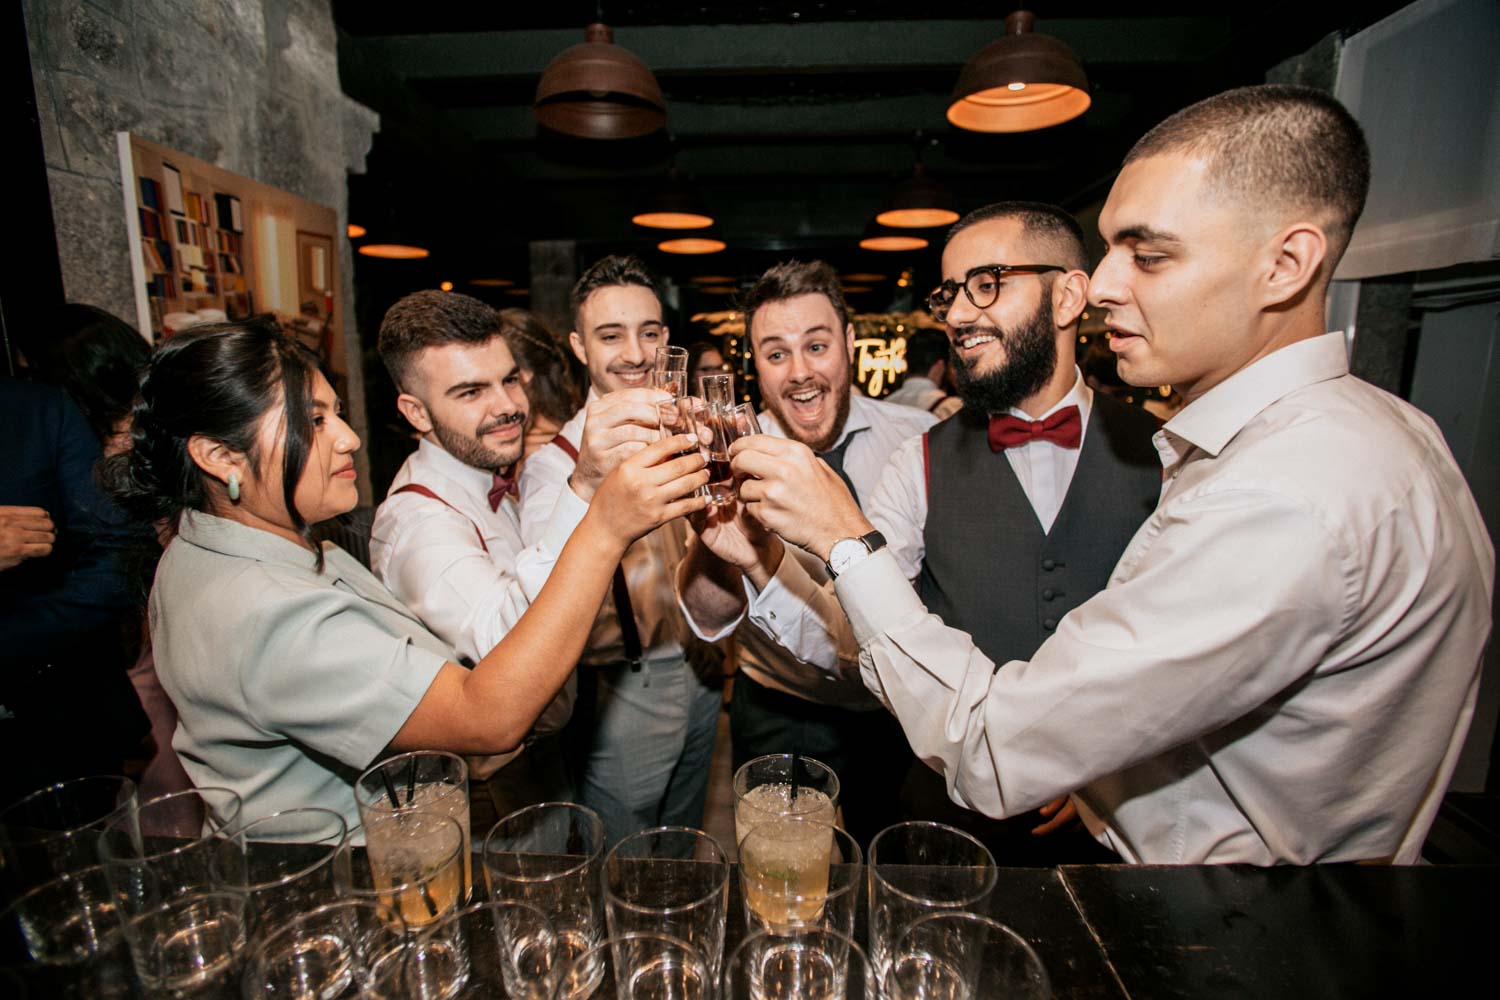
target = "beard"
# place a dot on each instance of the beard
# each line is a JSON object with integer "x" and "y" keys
{"x": 1030, "y": 360}
{"x": 471, "y": 450}
{"x": 798, "y": 433}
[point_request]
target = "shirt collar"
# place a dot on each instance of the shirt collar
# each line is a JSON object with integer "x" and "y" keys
{"x": 1080, "y": 395}
{"x": 219, "y": 534}
{"x": 475, "y": 481}
{"x": 1212, "y": 420}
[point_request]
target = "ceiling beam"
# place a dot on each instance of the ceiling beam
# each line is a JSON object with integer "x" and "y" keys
{"x": 771, "y": 48}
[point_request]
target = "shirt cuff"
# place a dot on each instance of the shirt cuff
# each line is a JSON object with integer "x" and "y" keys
{"x": 692, "y": 623}
{"x": 786, "y": 597}
{"x": 877, "y": 596}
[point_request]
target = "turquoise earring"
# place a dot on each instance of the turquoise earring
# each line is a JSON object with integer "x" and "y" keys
{"x": 234, "y": 487}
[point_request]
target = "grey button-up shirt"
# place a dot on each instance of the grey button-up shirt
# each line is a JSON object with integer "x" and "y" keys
{"x": 288, "y": 682}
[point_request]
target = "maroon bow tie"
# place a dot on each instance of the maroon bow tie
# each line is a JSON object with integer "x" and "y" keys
{"x": 503, "y": 484}
{"x": 1063, "y": 428}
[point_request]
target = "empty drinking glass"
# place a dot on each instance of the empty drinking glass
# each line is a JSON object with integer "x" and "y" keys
{"x": 293, "y": 862}
{"x": 190, "y": 946}
{"x": 352, "y": 948}
{"x": 670, "y": 880}
{"x": 551, "y": 855}
{"x": 55, "y": 830}
{"x": 506, "y": 950}
{"x": 955, "y": 955}
{"x": 919, "y": 868}
{"x": 644, "y": 966}
{"x": 806, "y": 963}
{"x": 64, "y": 939}
{"x": 169, "y": 848}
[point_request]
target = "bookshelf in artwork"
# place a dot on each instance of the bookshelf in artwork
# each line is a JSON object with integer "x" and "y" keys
{"x": 192, "y": 245}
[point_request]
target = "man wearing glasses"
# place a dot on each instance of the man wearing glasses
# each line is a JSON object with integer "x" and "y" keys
{"x": 1285, "y": 663}
{"x": 1013, "y": 512}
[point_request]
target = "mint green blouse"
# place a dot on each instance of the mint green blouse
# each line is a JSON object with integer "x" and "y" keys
{"x": 288, "y": 682}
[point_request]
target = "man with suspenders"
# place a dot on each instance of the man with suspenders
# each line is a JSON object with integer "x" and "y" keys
{"x": 447, "y": 540}
{"x": 643, "y": 732}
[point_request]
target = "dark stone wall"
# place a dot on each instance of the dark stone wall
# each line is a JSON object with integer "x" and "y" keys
{"x": 251, "y": 86}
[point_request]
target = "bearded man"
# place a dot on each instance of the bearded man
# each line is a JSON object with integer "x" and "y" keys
{"x": 447, "y": 539}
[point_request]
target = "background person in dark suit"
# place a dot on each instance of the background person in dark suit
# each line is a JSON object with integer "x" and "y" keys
{"x": 67, "y": 612}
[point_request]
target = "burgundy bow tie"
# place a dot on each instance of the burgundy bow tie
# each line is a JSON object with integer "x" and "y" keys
{"x": 503, "y": 484}
{"x": 1063, "y": 428}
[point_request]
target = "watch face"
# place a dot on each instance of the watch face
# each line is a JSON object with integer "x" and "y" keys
{"x": 845, "y": 551}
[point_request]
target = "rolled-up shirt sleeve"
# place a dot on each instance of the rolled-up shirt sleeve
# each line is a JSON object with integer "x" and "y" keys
{"x": 319, "y": 668}
{"x": 798, "y": 607}
{"x": 1232, "y": 597}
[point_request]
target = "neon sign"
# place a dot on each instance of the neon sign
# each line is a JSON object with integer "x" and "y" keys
{"x": 878, "y": 361}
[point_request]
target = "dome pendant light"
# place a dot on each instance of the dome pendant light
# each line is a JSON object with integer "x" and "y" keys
{"x": 919, "y": 203}
{"x": 1020, "y": 82}
{"x": 674, "y": 205}
{"x": 888, "y": 240}
{"x": 597, "y": 90}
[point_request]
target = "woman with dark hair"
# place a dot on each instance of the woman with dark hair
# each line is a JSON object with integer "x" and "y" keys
{"x": 97, "y": 358}
{"x": 704, "y": 358}
{"x": 551, "y": 383}
{"x": 292, "y": 667}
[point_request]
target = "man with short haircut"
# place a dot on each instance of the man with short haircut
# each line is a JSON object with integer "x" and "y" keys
{"x": 802, "y": 341}
{"x": 1284, "y": 665}
{"x": 643, "y": 733}
{"x": 447, "y": 539}
{"x": 926, "y": 367}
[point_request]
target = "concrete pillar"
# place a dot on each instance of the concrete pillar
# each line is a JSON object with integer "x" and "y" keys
{"x": 554, "y": 269}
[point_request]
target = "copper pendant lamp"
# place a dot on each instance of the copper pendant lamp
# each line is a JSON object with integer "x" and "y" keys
{"x": 699, "y": 243}
{"x": 919, "y": 203}
{"x": 890, "y": 240}
{"x": 597, "y": 90}
{"x": 1021, "y": 82}
{"x": 673, "y": 205}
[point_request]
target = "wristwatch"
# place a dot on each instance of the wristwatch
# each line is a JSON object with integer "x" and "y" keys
{"x": 847, "y": 552}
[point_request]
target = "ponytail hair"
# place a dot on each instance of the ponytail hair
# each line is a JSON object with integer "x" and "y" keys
{"x": 216, "y": 381}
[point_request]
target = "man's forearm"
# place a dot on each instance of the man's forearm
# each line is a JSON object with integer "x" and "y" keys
{"x": 712, "y": 591}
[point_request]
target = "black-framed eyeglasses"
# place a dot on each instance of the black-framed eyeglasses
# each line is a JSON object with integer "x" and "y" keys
{"x": 981, "y": 285}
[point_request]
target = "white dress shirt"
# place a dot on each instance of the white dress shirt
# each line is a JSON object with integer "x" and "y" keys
{"x": 1284, "y": 665}
{"x": 878, "y": 428}
{"x": 799, "y": 610}
{"x": 429, "y": 555}
{"x": 547, "y": 502}
{"x": 923, "y": 393}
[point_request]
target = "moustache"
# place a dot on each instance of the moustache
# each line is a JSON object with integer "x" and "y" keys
{"x": 499, "y": 422}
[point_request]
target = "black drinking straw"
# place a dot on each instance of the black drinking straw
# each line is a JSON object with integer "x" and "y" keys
{"x": 390, "y": 789}
{"x": 411, "y": 779}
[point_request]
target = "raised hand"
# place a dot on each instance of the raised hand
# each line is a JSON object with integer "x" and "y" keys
{"x": 651, "y": 487}
{"x": 617, "y": 426}
{"x": 794, "y": 493}
{"x": 25, "y": 533}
